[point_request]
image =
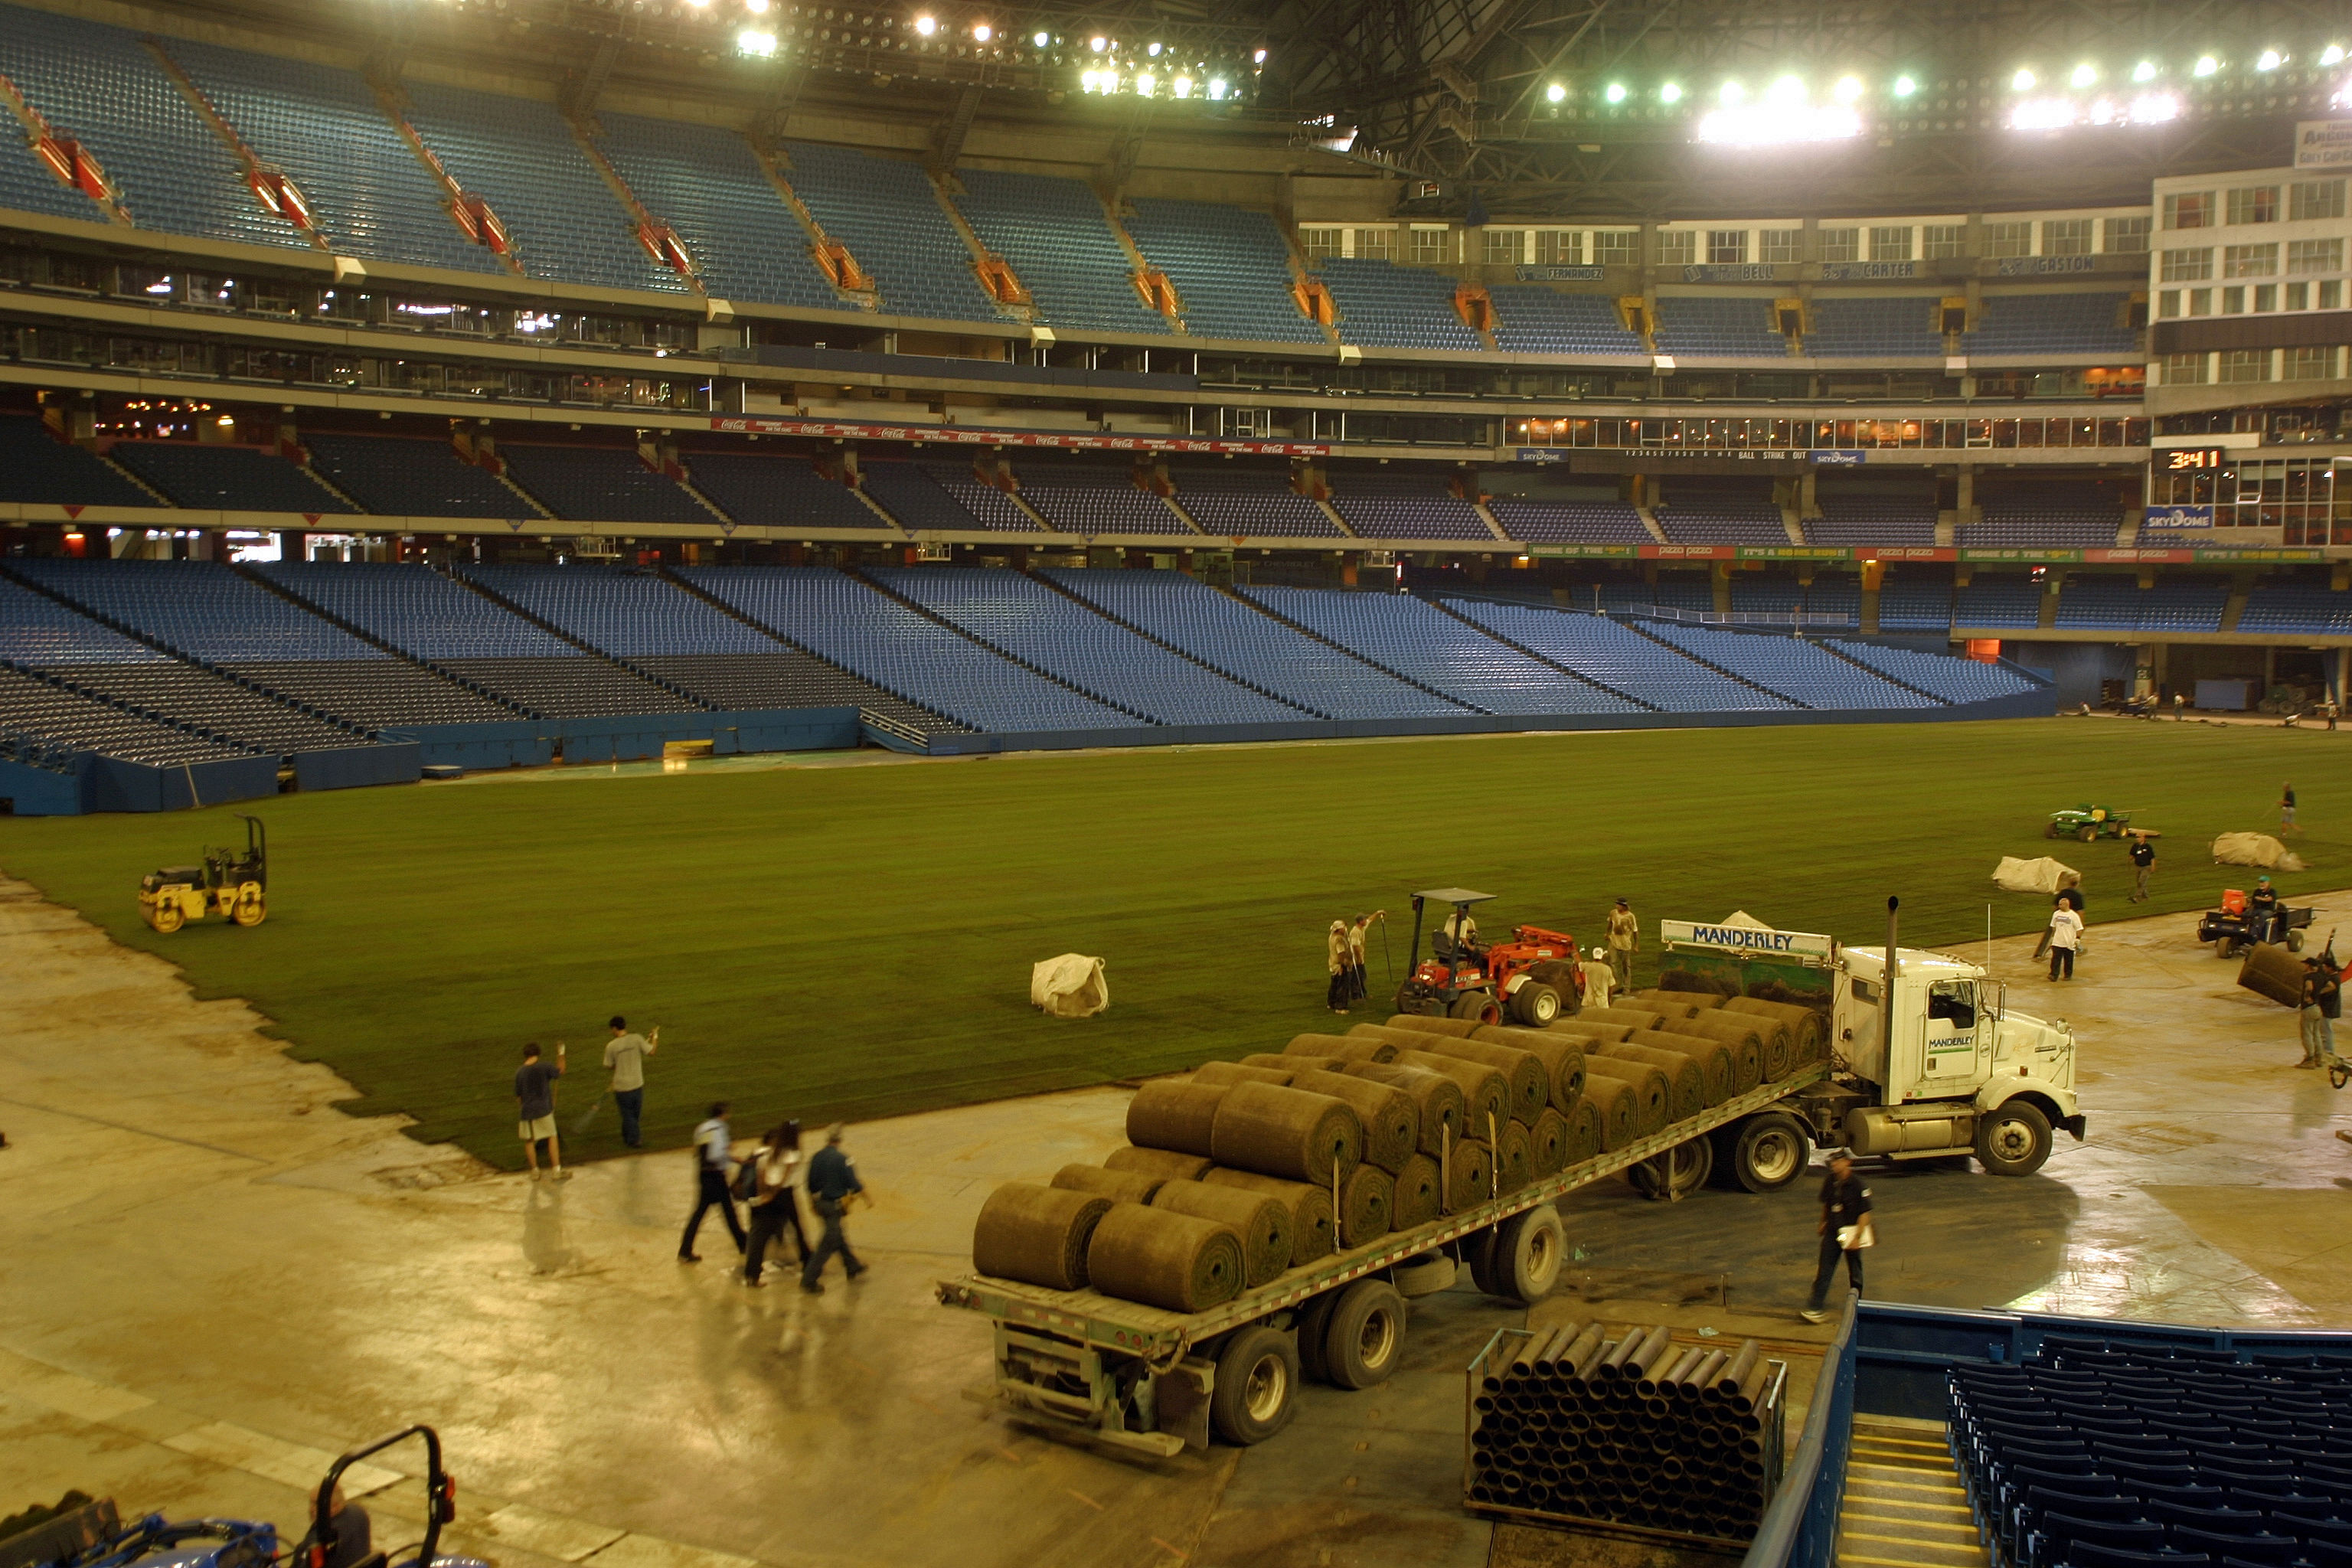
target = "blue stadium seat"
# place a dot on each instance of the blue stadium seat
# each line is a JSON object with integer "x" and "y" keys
{"x": 1532, "y": 320}
{"x": 761, "y": 490}
{"x": 708, "y": 185}
{"x": 1618, "y": 658}
{"x": 1791, "y": 666}
{"x": 1953, "y": 680}
{"x": 405, "y": 478}
{"x": 1379, "y": 503}
{"x": 1236, "y": 500}
{"x": 1873, "y": 517}
{"x": 886, "y": 211}
{"x": 1696, "y": 511}
{"x": 1874, "y": 327}
{"x": 2047, "y": 323}
{"x": 1055, "y": 234}
{"x": 1996, "y": 601}
{"x": 1382, "y": 305}
{"x": 2294, "y": 609}
{"x": 1568, "y": 522}
{"x": 1094, "y": 498}
{"x": 1711, "y": 326}
{"x": 1422, "y": 642}
{"x": 37, "y": 469}
{"x": 233, "y": 478}
{"x": 1915, "y": 603}
{"x": 598, "y": 484}
{"x": 1231, "y": 267}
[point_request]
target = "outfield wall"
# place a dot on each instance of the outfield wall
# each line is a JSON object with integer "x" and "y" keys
{"x": 606, "y": 738}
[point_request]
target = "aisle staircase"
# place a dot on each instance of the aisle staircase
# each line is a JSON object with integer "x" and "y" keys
{"x": 1903, "y": 1504}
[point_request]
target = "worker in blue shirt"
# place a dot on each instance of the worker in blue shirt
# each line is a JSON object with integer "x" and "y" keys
{"x": 832, "y": 1183}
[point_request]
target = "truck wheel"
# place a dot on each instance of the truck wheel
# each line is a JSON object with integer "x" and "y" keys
{"x": 1313, "y": 1314}
{"x": 1762, "y": 1153}
{"x": 1528, "y": 1249}
{"x": 2013, "y": 1139}
{"x": 1535, "y": 1004}
{"x": 1478, "y": 1252}
{"x": 1678, "y": 1173}
{"x": 1257, "y": 1380}
{"x": 1478, "y": 1005}
{"x": 1365, "y": 1337}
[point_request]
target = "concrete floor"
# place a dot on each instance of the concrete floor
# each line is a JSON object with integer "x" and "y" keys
{"x": 213, "y": 1281}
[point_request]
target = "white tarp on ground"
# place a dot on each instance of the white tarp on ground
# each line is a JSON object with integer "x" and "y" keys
{"x": 2255, "y": 849}
{"x": 1070, "y": 986}
{"x": 2042, "y": 876}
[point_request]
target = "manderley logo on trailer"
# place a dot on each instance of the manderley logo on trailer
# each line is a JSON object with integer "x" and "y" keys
{"x": 1748, "y": 939}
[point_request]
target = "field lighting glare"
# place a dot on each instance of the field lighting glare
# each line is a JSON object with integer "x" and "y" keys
{"x": 1905, "y": 87}
{"x": 984, "y": 32}
{"x": 1145, "y": 83}
{"x": 1098, "y": 45}
{"x": 2084, "y": 75}
{"x": 753, "y": 42}
{"x": 1848, "y": 89}
{"x": 1554, "y": 93}
{"x": 1786, "y": 90}
{"x": 1258, "y": 59}
{"x": 1153, "y": 50}
{"x": 1732, "y": 92}
{"x": 1041, "y": 40}
{"x": 1181, "y": 87}
{"x": 2332, "y": 55}
{"x": 927, "y": 25}
{"x": 2269, "y": 60}
{"x": 2207, "y": 65}
{"x": 757, "y": 7}
{"x": 2143, "y": 71}
{"x": 2023, "y": 80}
{"x": 1616, "y": 93}
{"x": 1670, "y": 93}
{"x": 1774, "y": 126}
{"x": 1217, "y": 90}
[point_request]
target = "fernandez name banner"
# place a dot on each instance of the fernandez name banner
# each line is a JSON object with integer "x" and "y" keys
{"x": 959, "y": 435}
{"x": 1549, "y": 274}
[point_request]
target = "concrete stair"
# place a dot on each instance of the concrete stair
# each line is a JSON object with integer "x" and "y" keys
{"x": 1904, "y": 1506}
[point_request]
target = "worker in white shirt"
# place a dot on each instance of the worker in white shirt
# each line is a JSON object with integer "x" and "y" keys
{"x": 2065, "y": 935}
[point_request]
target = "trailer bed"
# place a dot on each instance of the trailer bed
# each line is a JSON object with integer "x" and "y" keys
{"x": 1156, "y": 1335}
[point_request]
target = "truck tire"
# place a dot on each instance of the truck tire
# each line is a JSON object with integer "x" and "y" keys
{"x": 1364, "y": 1340}
{"x": 1478, "y": 1005}
{"x": 1423, "y": 1275}
{"x": 1257, "y": 1385}
{"x": 1313, "y": 1314}
{"x": 1529, "y": 1248}
{"x": 1535, "y": 1004}
{"x": 1761, "y": 1153}
{"x": 1562, "y": 976}
{"x": 1676, "y": 1174}
{"x": 1478, "y": 1252}
{"x": 2013, "y": 1139}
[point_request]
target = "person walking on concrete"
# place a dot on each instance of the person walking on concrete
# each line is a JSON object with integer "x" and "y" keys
{"x": 2286, "y": 809}
{"x": 1335, "y": 956}
{"x": 775, "y": 1207}
{"x": 2065, "y": 936}
{"x": 2179, "y": 701}
{"x": 534, "y": 1086}
{"x": 1362, "y": 980}
{"x": 832, "y": 1183}
{"x": 1845, "y": 1232}
{"x": 1624, "y": 941}
{"x": 625, "y": 1058}
{"x": 2143, "y": 859}
{"x": 714, "y": 1146}
{"x": 2323, "y": 1004}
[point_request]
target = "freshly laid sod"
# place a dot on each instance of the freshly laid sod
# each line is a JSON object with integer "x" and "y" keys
{"x": 854, "y": 942}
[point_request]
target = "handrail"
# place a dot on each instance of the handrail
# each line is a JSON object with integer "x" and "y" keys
{"x": 1800, "y": 1528}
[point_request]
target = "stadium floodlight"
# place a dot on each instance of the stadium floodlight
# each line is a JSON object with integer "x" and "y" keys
{"x": 1258, "y": 59}
{"x": 1905, "y": 87}
{"x": 1181, "y": 87}
{"x": 2023, "y": 81}
{"x": 1776, "y": 125}
{"x": 1731, "y": 92}
{"x": 1098, "y": 44}
{"x": 1616, "y": 93}
{"x": 927, "y": 25}
{"x": 1554, "y": 93}
{"x": 1670, "y": 93}
{"x": 2207, "y": 65}
{"x": 753, "y": 42}
{"x": 981, "y": 32}
{"x": 2084, "y": 75}
{"x": 757, "y": 7}
{"x": 2269, "y": 60}
{"x": 1787, "y": 90}
{"x": 2332, "y": 55}
{"x": 2143, "y": 71}
{"x": 1145, "y": 83}
{"x": 1152, "y": 50}
{"x": 1217, "y": 90}
{"x": 2043, "y": 114}
{"x": 2154, "y": 109}
{"x": 1848, "y": 89}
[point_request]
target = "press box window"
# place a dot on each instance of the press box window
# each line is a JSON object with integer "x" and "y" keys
{"x": 1840, "y": 244}
{"x": 2245, "y": 364}
{"x": 1944, "y": 241}
{"x": 1375, "y": 244}
{"x": 1891, "y": 244}
{"x": 2315, "y": 256}
{"x": 1559, "y": 247}
{"x": 2187, "y": 265}
{"x": 2255, "y": 203}
{"x": 1781, "y": 246}
{"x": 2315, "y": 199}
{"x": 2167, "y": 305}
{"x": 2066, "y": 236}
{"x": 2331, "y": 294}
{"x": 1432, "y": 246}
{"x": 2009, "y": 239}
{"x": 1677, "y": 247}
{"x": 2127, "y": 236}
{"x": 2184, "y": 370}
{"x": 2265, "y": 296}
{"x": 2249, "y": 261}
{"x": 2310, "y": 363}
{"x": 1617, "y": 247}
{"x": 1321, "y": 242}
{"x": 1504, "y": 247}
{"x": 1727, "y": 246}
{"x": 2192, "y": 210}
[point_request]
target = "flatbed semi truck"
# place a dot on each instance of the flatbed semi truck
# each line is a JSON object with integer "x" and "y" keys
{"x": 1950, "y": 1072}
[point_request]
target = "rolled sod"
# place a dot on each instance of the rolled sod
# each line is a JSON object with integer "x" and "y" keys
{"x": 1223, "y": 1075}
{"x": 1036, "y": 1235}
{"x": 1697, "y": 1072}
{"x": 1743, "y": 1037}
{"x": 1346, "y": 1048}
{"x": 1531, "y": 1086}
{"x": 1438, "y": 1101}
{"x": 1367, "y": 1206}
{"x": 1119, "y": 1186}
{"x": 1513, "y": 1158}
{"x": 1290, "y": 1064}
{"x": 1262, "y": 1220}
{"x": 1808, "y": 1030}
{"x": 1547, "y": 1144}
{"x": 1287, "y": 1133}
{"x": 1636, "y": 1016}
{"x": 1167, "y": 1165}
{"x": 1697, "y": 1001}
{"x": 1486, "y": 1093}
{"x": 1426, "y": 1024}
{"x": 1168, "y": 1113}
{"x": 1469, "y": 1175}
{"x": 1563, "y": 1059}
{"x": 1584, "y": 1032}
{"x": 1583, "y": 1137}
{"x": 1619, "y": 1105}
{"x": 1173, "y": 1261}
{"x": 1673, "y": 1006}
{"x": 1313, "y": 1222}
{"x": 1416, "y": 1201}
{"x": 1392, "y": 1123}
{"x": 1654, "y": 1094}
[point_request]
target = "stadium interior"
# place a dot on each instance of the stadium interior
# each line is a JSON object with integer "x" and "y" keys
{"x": 1315, "y": 425}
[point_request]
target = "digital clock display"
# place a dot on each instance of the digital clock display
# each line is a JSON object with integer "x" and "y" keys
{"x": 2189, "y": 460}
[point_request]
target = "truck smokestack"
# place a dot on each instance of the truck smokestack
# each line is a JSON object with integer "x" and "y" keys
{"x": 1886, "y": 987}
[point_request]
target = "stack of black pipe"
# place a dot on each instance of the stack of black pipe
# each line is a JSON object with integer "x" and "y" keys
{"x": 1636, "y": 1431}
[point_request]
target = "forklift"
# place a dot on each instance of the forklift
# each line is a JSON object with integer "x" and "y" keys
{"x": 227, "y": 883}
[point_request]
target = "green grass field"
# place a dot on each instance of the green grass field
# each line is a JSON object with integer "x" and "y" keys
{"x": 852, "y": 941}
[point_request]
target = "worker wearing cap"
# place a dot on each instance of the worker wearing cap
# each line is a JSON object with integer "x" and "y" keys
{"x": 2323, "y": 1004}
{"x": 832, "y": 1183}
{"x": 1624, "y": 941}
{"x": 2262, "y": 909}
{"x": 1360, "y": 978}
{"x": 2143, "y": 859}
{"x": 1335, "y": 957}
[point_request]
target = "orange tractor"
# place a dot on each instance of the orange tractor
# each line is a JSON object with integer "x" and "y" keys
{"x": 1530, "y": 980}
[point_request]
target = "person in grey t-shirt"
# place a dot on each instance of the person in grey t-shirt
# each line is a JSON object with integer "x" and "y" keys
{"x": 624, "y": 1057}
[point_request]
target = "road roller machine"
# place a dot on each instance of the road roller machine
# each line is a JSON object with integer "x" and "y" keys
{"x": 228, "y": 884}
